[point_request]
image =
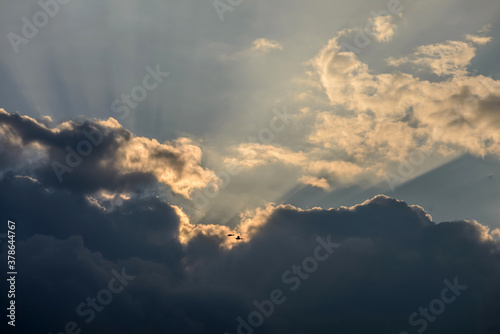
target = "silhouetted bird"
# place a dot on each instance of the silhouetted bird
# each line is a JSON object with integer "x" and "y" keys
{"x": 239, "y": 238}
{"x": 230, "y": 235}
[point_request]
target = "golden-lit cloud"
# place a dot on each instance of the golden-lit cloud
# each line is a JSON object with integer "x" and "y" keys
{"x": 377, "y": 120}
{"x": 402, "y": 111}
{"x": 449, "y": 58}
{"x": 315, "y": 182}
{"x": 251, "y": 155}
{"x": 114, "y": 151}
{"x": 382, "y": 28}
{"x": 265, "y": 45}
{"x": 174, "y": 163}
{"x": 224, "y": 235}
{"x": 495, "y": 234}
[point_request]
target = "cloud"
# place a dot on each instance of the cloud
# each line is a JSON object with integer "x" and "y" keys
{"x": 408, "y": 109}
{"x": 315, "y": 182}
{"x": 265, "y": 45}
{"x": 393, "y": 258}
{"x": 259, "y": 46}
{"x": 376, "y": 121}
{"x": 98, "y": 155}
{"x": 448, "y": 58}
{"x": 391, "y": 255}
{"x": 252, "y": 155}
{"x": 175, "y": 163}
{"x": 479, "y": 40}
{"x": 496, "y": 234}
{"x": 382, "y": 28}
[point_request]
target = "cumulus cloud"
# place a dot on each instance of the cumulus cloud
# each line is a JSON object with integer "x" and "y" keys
{"x": 98, "y": 155}
{"x": 265, "y": 45}
{"x": 393, "y": 258}
{"x": 378, "y": 120}
{"x": 407, "y": 108}
{"x": 175, "y": 163}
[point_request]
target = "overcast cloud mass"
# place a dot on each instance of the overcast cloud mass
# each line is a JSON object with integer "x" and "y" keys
{"x": 250, "y": 167}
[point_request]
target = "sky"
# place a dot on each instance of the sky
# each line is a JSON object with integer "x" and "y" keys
{"x": 352, "y": 145}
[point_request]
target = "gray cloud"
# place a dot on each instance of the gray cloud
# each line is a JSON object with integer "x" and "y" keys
{"x": 392, "y": 260}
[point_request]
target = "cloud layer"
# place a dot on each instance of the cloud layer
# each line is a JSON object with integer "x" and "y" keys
{"x": 376, "y": 121}
{"x": 190, "y": 278}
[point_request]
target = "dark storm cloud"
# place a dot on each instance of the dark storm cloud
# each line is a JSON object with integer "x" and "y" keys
{"x": 392, "y": 260}
{"x": 144, "y": 228}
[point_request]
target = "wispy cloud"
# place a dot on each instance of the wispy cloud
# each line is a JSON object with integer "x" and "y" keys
{"x": 315, "y": 182}
{"x": 265, "y": 45}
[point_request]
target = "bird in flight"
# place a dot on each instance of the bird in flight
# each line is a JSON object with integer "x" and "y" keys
{"x": 239, "y": 238}
{"x": 230, "y": 235}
